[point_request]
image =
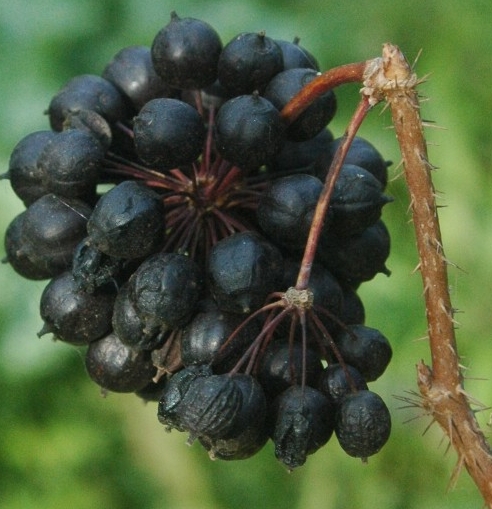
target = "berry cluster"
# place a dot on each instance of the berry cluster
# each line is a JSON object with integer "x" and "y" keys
{"x": 169, "y": 205}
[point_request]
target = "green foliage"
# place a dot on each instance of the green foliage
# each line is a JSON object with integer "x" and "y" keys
{"x": 63, "y": 445}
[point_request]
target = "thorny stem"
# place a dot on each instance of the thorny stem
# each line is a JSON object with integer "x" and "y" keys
{"x": 441, "y": 385}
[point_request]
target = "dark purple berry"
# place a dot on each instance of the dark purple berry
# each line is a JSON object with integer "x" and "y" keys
{"x": 248, "y": 62}
{"x": 168, "y": 133}
{"x": 185, "y": 53}
{"x": 243, "y": 269}
{"x": 116, "y": 367}
{"x": 248, "y": 131}
{"x": 363, "y": 424}
{"x": 366, "y": 349}
{"x": 24, "y": 174}
{"x": 75, "y": 316}
{"x": 71, "y": 164}
{"x": 86, "y": 92}
{"x": 165, "y": 290}
{"x": 304, "y": 422}
{"x": 336, "y": 381}
{"x": 132, "y": 72}
{"x": 249, "y": 433}
{"x": 295, "y": 56}
{"x": 284, "y": 86}
{"x": 128, "y": 221}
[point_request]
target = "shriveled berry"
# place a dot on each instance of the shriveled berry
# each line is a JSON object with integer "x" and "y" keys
{"x": 91, "y": 123}
{"x": 128, "y": 221}
{"x": 363, "y": 424}
{"x": 211, "y": 406}
{"x": 165, "y": 290}
{"x": 249, "y": 433}
{"x": 130, "y": 328}
{"x": 174, "y": 392}
{"x": 305, "y": 420}
{"x": 92, "y": 268}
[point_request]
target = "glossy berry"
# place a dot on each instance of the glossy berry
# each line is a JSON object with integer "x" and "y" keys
{"x": 281, "y": 366}
{"x": 295, "y": 56}
{"x": 24, "y": 174}
{"x": 361, "y": 153}
{"x": 357, "y": 201}
{"x": 366, "y": 349}
{"x": 284, "y": 86}
{"x": 242, "y": 270}
{"x": 337, "y": 381}
{"x": 71, "y": 163}
{"x": 248, "y": 62}
{"x": 50, "y": 230}
{"x": 18, "y": 256}
{"x": 356, "y": 258}
{"x": 204, "y": 339}
{"x": 185, "y": 53}
{"x": 86, "y": 92}
{"x": 168, "y": 133}
{"x": 116, "y": 367}
{"x": 286, "y": 209}
{"x": 75, "y": 316}
{"x": 300, "y": 155}
{"x": 248, "y": 131}
{"x": 132, "y": 72}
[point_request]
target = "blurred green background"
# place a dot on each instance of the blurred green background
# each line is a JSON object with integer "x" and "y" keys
{"x": 63, "y": 445}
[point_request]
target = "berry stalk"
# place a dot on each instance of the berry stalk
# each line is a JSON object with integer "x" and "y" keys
{"x": 324, "y": 198}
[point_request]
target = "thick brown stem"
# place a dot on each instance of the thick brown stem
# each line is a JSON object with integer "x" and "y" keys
{"x": 441, "y": 385}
